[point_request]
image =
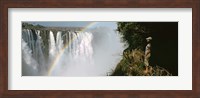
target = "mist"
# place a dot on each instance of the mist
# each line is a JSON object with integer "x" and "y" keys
{"x": 94, "y": 52}
{"x": 103, "y": 50}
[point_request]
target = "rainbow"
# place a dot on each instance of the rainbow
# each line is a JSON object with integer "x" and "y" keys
{"x": 61, "y": 52}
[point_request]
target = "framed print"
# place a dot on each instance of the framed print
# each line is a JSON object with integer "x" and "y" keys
{"x": 99, "y": 49}
{"x": 87, "y": 49}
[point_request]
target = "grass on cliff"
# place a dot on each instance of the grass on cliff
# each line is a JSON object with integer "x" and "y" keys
{"x": 132, "y": 64}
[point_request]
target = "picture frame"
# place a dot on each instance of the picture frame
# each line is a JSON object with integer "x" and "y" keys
{"x": 6, "y": 4}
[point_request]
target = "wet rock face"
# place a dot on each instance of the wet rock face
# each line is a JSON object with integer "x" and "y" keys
{"x": 45, "y": 40}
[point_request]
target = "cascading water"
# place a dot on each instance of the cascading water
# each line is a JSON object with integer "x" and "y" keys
{"x": 59, "y": 41}
{"x": 52, "y": 46}
{"x": 32, "y": 53}
{"x": 67, "y": 53}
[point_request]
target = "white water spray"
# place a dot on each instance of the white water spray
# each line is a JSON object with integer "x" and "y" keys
{"x": 92, "y": 53}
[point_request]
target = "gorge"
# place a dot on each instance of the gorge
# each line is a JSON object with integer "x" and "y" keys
{"x": 57, "y": 52}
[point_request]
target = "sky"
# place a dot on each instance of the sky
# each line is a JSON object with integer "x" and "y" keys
{"x": 112, "y": 25}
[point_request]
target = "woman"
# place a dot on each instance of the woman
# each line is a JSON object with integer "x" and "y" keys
{"x": 147, "y": 54}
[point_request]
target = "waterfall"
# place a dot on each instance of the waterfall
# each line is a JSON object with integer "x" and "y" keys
{"x": 52, "y": 46}
{"x": 69, "y": 53}
{"x": 39, "y": 53}
{"x": 32, "y": 50}
{"x": 59, "y": 41}
{"x": 28, "y": 62}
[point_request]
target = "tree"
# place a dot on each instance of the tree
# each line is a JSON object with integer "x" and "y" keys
{"x": 133, "y": 34}
{"x": 31, "y": 26}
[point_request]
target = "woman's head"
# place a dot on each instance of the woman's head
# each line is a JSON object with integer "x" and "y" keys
{"x": 149, "y": 39}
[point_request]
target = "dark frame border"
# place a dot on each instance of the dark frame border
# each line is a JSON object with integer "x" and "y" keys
{"x": 5, "y": 4}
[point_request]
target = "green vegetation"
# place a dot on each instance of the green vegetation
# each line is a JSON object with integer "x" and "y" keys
{"x": 132, "y": 64}
{"x": 133, "y": 34}
{"x": 31, "y": 26}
